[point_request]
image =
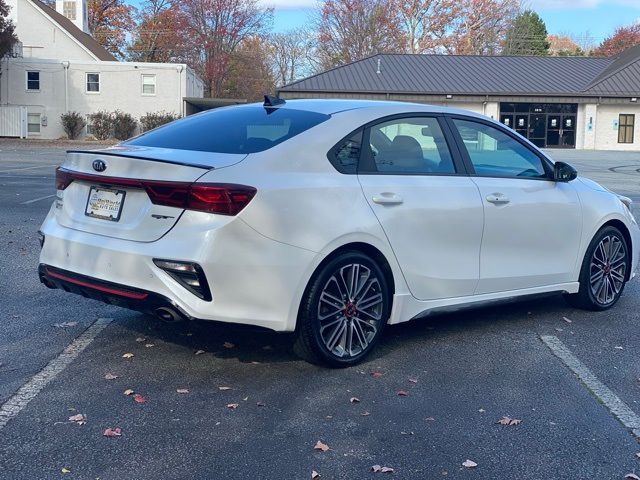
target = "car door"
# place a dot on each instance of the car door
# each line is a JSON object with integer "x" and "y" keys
{"x": 429, "y": 208}
{"x": 532, "y": 224}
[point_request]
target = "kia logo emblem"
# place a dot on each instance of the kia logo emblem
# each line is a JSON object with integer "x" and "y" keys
{"x": 99, "y": 165}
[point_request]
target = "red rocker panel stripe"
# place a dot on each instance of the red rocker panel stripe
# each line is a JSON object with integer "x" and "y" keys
{"x": 112, "y": 291}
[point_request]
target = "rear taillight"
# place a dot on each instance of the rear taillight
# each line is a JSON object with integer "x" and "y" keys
{"x": 220, "y": 198}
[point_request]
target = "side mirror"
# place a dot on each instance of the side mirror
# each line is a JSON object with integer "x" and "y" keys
{"x": 563, "y": 172}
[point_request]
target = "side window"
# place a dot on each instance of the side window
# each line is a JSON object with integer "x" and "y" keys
{"x": 409, "y": 146}
{"x": 493, "y": 153}
{"x": 345, "y": 155}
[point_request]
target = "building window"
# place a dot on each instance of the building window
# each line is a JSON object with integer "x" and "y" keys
{"x": 33, "y": 81}
{"x": 69, "y": 10}
{"x": 148, "y": 84}
{"x": 93, "y": 83}
{"x": 625, "y": 128}
{"x": 33, "y": 123}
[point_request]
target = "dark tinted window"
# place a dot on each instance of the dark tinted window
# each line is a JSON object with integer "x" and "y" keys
{"x": 232, "y": 130}
{"x": 345, "y": 155}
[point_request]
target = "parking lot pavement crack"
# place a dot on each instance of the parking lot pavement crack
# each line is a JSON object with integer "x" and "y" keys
{"x": 14, "y": 405}
{"x": 604, "y": 394}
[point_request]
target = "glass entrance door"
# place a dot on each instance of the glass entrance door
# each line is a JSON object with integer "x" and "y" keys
{"x": 537, "y": 130}
{"x": 546, "y": 125}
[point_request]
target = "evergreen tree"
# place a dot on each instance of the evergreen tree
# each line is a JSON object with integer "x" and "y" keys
{"x": 7, "y": 34}
{"x": 527, "y": 36}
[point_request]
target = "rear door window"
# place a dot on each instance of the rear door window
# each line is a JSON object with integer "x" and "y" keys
{"x": 245, "y": 129}
{"x": 409, "y": 146}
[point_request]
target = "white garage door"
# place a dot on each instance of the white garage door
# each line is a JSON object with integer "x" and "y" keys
{"x": 13, "y": 121}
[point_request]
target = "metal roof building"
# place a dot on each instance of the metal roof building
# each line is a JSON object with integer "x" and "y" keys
{"x": 561, "y": 102}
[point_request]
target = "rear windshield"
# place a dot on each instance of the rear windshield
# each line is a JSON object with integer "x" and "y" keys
{"x": 247, "y": 129}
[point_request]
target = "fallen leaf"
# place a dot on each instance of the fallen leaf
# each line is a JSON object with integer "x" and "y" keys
{"x": 402, "y": 393}
{"x": 365, "y": 414}
{"x": 481, "y": 410}
{"x": 314, "y": 474}
{"x": 430, "y": 419}
{"x": 224, "y": 388}
{"x": 381, "y": 469}
{"x": 469, "y": 464}
{"x": 182, "y": 390}
{"x": 112, "y": 432}
{"x": 376, "y": 374}
{"x": 80, "y": 419}
{"x": 199, "y": 352}
{"x": 110, "y": 376}
{"x": 149, "y": 345}
{"x": 127, "y": 355}
{"x": 233, "y": 406}
{"x": 260, "y": 404}
{"x": 566, "y": 320}
{"x": 65, "y": 470}
{"x": 558, "y": 329}
{"x": 631, "y": 476}
{"x": 354, "y": 400}
{"x": 413, "y": 380}
{"x": 141, "y": 339}
{"x": 321, "y": 446}
{"x": 139, "y": 398}
{"x": 228, "y": 345}
{"x": 619, "y": 347}
{"x": 509, "y": 421}
{"x": 128, "y": 392}
{"x": 638, "y": 454}
{"x": 65, "y": 324}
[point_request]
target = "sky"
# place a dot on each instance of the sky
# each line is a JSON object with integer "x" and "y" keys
{"x": 597, "y": 17}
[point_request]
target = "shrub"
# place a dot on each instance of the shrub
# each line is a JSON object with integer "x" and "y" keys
{"x": 72, "y": 123}
{"x": 102, "y": 124}
{"x": 154, "y": 120}
{"x": 124, "y": 125}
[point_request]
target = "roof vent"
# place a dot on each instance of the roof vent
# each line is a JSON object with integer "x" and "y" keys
{"x": 378, "y": 71}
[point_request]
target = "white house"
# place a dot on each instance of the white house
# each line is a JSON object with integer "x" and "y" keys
{"x": 62, "y": 68}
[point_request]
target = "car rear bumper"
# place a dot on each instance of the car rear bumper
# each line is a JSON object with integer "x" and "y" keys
{"x": 253, "y": 280}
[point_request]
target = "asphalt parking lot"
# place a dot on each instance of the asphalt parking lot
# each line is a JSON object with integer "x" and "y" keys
{"x": 461, "y": 373}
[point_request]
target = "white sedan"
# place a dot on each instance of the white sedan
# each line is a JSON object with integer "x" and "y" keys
{"x": 331, "y": 219}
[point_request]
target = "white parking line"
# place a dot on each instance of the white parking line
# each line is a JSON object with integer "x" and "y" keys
{"x": 27, "y": 168}
{"x": 30, "y": 390}
{"x": 617, "y": 407}
{"x": 37, "y": 199}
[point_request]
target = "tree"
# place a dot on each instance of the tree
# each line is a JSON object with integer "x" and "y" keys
{"x": 290, "y": 54}
{"x": 427, "y": 22}
{"x": 564, "y": 46}
{"x": 215, "y": 29}
{"x": 110, "y": 21}
{"x": 8, "y": 37}
{"x": 249, "y": 73}
{"x": 481, "y": 26}
{"x": 526, "y": 36}
{"x": 622, "y": 38}
{"x": 350, "y": 30}
{"x": 157, "y": 36}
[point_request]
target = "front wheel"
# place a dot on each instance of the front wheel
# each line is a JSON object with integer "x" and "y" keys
{"x": 343, "y": 312}
{"x": 604, "y": 271}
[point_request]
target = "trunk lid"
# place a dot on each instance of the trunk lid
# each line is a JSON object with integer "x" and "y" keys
{"x": 104, "y": 198}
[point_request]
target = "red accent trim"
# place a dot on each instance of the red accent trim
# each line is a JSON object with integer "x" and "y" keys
{"x": 112, "y": 291}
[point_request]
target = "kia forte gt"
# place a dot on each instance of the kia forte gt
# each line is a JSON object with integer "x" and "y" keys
{"x": 331, "y": 219}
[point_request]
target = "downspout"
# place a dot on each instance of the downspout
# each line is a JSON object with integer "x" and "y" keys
{"x": 65, "y": 65}
{"x": 180, "y": 68}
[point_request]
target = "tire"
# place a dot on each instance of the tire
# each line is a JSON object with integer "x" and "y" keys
{"x": 339, "y": 325}
{"x": 604, "y": 271}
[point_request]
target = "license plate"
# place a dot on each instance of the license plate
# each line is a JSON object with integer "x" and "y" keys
{"x": 105, "y": 203}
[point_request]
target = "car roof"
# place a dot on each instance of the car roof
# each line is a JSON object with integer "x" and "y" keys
{"x": 333, "y": 106}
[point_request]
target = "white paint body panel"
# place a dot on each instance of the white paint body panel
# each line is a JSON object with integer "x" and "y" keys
{"x": 259, "y": 262}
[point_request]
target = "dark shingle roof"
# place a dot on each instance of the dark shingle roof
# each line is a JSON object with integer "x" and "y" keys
{"x": 84, "y": 38}
{"x": 480, "y": 75}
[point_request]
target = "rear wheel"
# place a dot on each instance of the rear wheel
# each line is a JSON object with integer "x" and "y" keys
{"x": 604, "y": 271}
{"x": 343, "y": 312}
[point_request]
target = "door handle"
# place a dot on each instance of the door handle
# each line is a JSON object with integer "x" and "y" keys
{"x": 498, "y": 198}
{"x": 387, "y": 198}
